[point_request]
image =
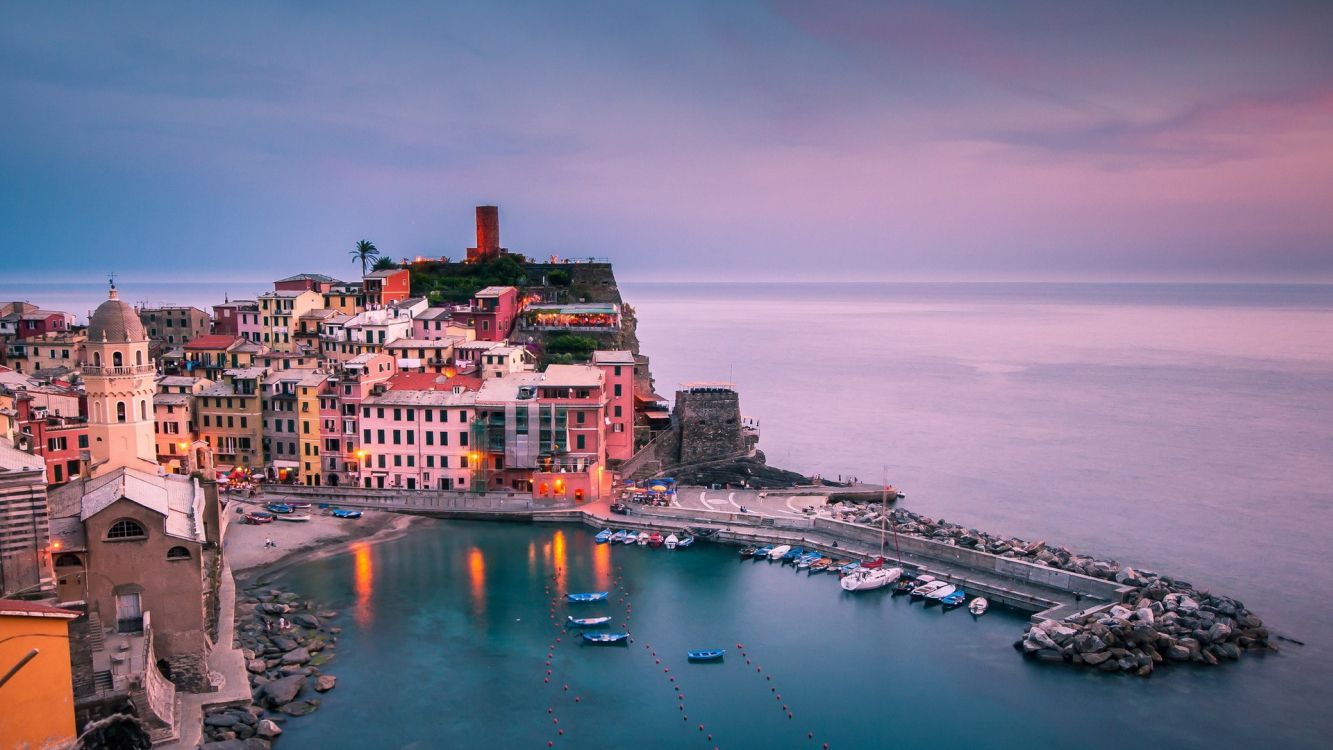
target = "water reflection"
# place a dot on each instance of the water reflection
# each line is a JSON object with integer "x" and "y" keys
{"x": 560, "y": 561}
{"x": 363, "y": 582}
{"x": 601, "y": 566}
{"x": 476, "y": 571}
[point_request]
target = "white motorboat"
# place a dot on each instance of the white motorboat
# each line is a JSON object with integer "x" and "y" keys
{"x": 926, "y": 588}
{"x": 941, "y": 592}
{"x": 672, "y": 541}
{"x": 779, "y": 551}
{"x": 978, "y": 606}
{"x": 865, "y": 579}
{"x": 643, "y": 538}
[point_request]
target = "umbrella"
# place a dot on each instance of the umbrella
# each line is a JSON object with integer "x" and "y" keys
{"x": 659, "y": 488}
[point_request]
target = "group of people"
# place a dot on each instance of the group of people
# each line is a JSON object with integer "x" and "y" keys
{"x": 282, "y": 624}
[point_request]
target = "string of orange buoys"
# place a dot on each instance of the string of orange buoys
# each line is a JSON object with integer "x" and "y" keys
{"x": 773, "y": 689}
{"x": 554, "y": 599}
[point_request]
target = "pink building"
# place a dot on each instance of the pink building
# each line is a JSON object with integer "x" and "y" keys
{"x": 418, "y": 436}
{"x": 618, "y": 371}
{"x": 339, "y": 413}
{"x": 492, "y": 312}
{"x": 248, "y": 325}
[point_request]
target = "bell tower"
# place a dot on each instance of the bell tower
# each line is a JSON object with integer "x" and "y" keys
{"x": 118, "y": 381}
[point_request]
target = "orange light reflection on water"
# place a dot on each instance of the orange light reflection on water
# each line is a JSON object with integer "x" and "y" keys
{"x": 476, "y": 571}
{"x": 601, "y": 566}
{"x": 363, "y": 582}
{"x": 560, "y": 561}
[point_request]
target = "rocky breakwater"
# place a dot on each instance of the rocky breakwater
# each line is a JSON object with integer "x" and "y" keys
{"x": 1160, "y": 620}
{"x": 286, "y": 641}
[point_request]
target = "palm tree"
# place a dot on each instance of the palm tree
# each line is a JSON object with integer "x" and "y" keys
{"x": 366, "y": 253}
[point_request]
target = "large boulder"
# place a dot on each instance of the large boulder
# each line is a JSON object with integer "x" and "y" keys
{"x": 1088, "y": 643}
{"x": 282, "y": 691}
{"x": 1093, "y": 659}
{"x": 306, "y": 620}
{"x": 284, "y": 643}
{"x": 268, "y": 729}
{"x": 325, "y": 682}
{"x": 257, "y": 666}
{"x": 1145, "y": 615}
{"x": 299, "y": 656}
{"x": 300, "y": 708}
{"x": 1219, "y": 633}
{"x": 221, "y": 720}
{"x": 1042, "y": 639}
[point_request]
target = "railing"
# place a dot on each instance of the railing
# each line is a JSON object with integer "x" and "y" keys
{"x": 506, "y": 501}
{"x": 118, "y": 371}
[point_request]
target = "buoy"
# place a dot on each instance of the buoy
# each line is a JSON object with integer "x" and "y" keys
{"x": 577, "y": 699}
{"x": 566, "y": 687}
{"x": 555, "y": 720}
{"x": 560, "y": 732}
{"x": 548, "y": 679}
{"x": 747, "y": 661}
{"x": 789, "y": 714}
{"x": 810, "y": 735}
{"x": 680, "y": 707}
{"x": 768, "y": 677}
{"x": 672, "y": 679}
{"x": 550, "y": 743}
{"x": 659, "y": 661}
{"x": 550, "y": 710}
{"x": 701, "y": 727}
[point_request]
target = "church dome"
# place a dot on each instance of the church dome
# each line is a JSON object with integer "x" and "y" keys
{"x": 115, "y": 321}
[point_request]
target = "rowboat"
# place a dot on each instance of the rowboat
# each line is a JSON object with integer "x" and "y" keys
{"x": 587, "y": 622}
{"x": 820, "y": 565}
{"x": 779, "y": 551}
{"x": 804, "y": 561}
{"x": 957, "y": 597}
{"x": 940, "y": 593}
{"x": 630, "y": 537}
{"x": 296, "y": 517}
{"x": 978, "y": 606}
{"x": 848, "y": 568}
{"x": 605, "y": 639}
{"x": 619, "y": 536}
{"x": 685, "y": 541}
{"x": 643, "y": 538}
{"x": 672, "y": 541}
{"x": 591, "y": 596}
{"x": 344, "y": 513}
{"x": 763, "y": 551}
{"x": 747, "y": 552}
{"x": 906, "y": 585}
{"x": 603, "y": 536}
{"x": 278, "y": 508}
{"x": 655, "y": 540}
{"x": 706, "y": 654}
{"x": 792, "y": 554}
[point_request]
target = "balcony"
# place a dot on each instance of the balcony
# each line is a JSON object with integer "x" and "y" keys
{"x": 119, "y": 371}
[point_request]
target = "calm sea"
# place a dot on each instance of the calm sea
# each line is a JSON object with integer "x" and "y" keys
{"x": 1182, "y": 428}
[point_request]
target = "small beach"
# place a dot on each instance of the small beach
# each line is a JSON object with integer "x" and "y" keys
{"x": 321, "y": 536}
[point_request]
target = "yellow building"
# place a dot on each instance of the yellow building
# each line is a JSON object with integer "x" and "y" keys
{"x": 280, "y": 314}
{"x": 37, "y": 701}
{"x": 229, "y": 417}
{"x": 346, "y": 298}
{"x": 308, "y": 391}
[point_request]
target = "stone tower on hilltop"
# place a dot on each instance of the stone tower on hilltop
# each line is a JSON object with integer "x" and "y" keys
{"x": 118, "y": 380}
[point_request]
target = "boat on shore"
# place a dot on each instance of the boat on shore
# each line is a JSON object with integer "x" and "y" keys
{"x": 603, "y": 536}
{"x": 671, "y": 541}
{"x": 295, "y": 517}
{"x": 587, "y": 622}
{"x": 706, "y": 654}
{"x": 589, "y": 596}
{"x": 606, "y": 639}
{"x": 779, "y": 551}
{"x": 345, "y": 513}
{"x": 978, "y": 606}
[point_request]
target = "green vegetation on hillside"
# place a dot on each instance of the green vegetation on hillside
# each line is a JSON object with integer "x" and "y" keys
{"x": 457, "y": 282}
{"x": 568, "y": 348}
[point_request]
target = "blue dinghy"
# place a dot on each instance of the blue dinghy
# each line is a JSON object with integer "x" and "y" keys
{"x": 954, "y": 599}
{"x": 763, "y": 551}
{"x": 603, "y": 536}
{"x": 685, "y": 541}
{"x": 587, "y": 622}
{"x": 591, "y": 596}
{"x": 793, "y": 554}
{"x": 605, "y": 638}
{"x": 707, "y": 654}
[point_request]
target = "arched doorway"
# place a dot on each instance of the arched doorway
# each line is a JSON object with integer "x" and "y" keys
{"x": 69, "y": 578}
{"x": 333, "y": 480}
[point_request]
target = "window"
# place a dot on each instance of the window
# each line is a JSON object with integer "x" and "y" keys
{"x": 397, "y": 415}
{"x": 579, "y": 442}
{"x": 120, "y": 411}
{"x": 617, "y": 389}
{"x": 117, "y": 359}
{"x": 617, "y": 412}
{"x": 83, "y": 441}
{"x": 430, "y": 437}
{"x": 126, "y": 528}
{"x": 143, "y": 410}
{"x": 55, "y": 444}
{"x": 462, "y": 439}
{"x": 617, "y": 370}
{"x": 178, "y": 553}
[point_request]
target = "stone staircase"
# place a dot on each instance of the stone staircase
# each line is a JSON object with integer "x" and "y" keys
{"x": 96, "y": 633}
{"x": 102, "y": 681}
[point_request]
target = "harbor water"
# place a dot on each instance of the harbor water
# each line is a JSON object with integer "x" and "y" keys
{"x": 447, "y": 633}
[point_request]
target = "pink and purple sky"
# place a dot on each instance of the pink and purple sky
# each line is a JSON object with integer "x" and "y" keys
{"x": 735, "y": 140}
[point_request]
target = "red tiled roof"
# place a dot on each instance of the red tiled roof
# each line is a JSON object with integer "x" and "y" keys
{"x": 212, "y": 341}
{"x": 427, "y": 381}
{"x": 20, "y": 608}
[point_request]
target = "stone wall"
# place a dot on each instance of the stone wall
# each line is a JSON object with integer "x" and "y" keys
{"x": 708, "y": 423}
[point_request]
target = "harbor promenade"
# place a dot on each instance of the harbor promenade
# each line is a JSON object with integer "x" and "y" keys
{"x": 768, "y": 518}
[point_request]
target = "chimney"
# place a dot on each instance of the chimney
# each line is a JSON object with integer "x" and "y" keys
{"x": 488, "y": 230}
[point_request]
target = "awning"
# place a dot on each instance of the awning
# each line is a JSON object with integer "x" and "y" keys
{"x": 277, "y": 464}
